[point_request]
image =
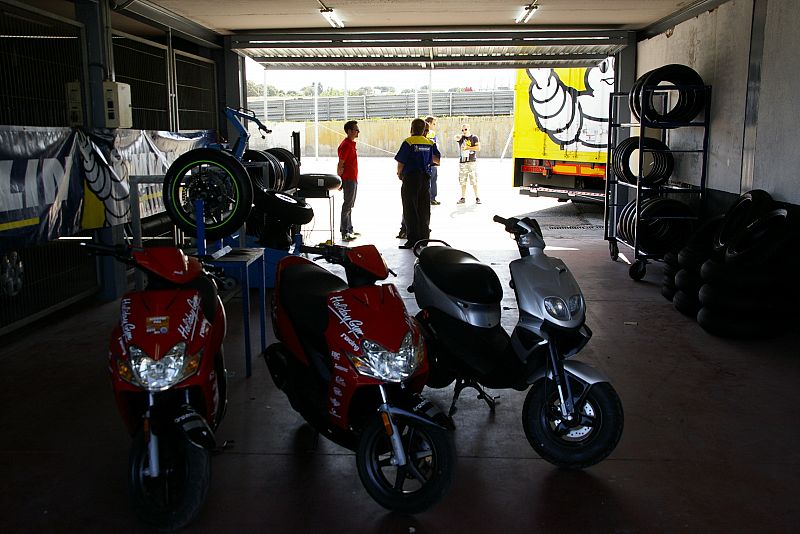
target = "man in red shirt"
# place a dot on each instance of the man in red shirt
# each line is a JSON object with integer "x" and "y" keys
{"x": 347, "y": 169}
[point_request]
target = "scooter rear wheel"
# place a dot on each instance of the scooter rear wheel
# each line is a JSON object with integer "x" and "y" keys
{"x": 574, "y": 447}
{"x": 425, "y": 478}
{"x": 174, "y": 498}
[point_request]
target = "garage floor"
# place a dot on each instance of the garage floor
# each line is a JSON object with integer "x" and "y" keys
{"x": 710, "y": 442}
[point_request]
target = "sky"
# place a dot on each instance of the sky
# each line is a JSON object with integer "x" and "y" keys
{"x": 441, "y": 79}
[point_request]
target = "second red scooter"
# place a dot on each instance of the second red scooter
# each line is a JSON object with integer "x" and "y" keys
{"x": 352, "y": 363}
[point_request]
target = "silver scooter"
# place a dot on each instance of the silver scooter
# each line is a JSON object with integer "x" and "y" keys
{"x": 572, "y": 416}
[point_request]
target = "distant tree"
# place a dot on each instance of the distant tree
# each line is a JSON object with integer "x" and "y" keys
{"x": 385, "y": 89}
{"x": 309, "y": 90}
{"x": 254, "y": 89}
{"x": 361, "y": 91}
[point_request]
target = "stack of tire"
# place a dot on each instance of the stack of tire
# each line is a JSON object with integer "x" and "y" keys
{"x": 685, "y": 269}
{"x": 275, "y": 210}
{"x": 664, "y": 225}
{"x": 645, "y": 100}
{"x": 657, "y": 162}
{"x": 749, "y": 287}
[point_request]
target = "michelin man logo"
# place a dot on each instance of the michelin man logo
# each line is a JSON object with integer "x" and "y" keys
{"x": 575, "y": 120}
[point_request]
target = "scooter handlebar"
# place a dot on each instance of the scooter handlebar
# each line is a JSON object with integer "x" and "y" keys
{"x": 512, "y": 225}
{"x": 123, "y": 253}
{"x": 331, "y": 253}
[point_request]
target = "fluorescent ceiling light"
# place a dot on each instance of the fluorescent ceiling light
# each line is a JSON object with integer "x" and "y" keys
{"x": 527, "y": 13}
{"x": 332, "y": 18}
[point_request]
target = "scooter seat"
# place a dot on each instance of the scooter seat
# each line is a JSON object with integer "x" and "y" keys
{"x": 461, "y": 275}
{"x": 304, "y": 289}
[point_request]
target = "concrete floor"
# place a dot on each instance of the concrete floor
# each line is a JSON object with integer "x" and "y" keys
{"x": 710, "y": 440}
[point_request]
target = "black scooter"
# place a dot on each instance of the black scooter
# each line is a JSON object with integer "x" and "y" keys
{"x": 572, "y": 416}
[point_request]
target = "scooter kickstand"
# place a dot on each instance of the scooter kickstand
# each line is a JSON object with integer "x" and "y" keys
{"x": 460, "y": 385}
{"x": 491, "y": 401}
{"x": 469, "y": 383}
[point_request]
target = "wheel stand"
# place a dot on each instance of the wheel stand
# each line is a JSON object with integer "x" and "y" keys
{"x": 461, "y": 384}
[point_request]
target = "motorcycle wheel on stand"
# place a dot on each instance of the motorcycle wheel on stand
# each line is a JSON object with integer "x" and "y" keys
{"x": 219, "y": 180}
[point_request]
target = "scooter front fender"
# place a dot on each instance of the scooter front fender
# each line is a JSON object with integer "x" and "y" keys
{"x": 424, "y": 411}
{"x": 196, "y": 429}
{"x": 583, "y": 371}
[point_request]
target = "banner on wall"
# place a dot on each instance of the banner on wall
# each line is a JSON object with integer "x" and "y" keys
{"x": 56, "y": 182}
{"x": 41, "y": 191}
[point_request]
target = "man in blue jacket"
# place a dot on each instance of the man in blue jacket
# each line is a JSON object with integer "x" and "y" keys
{"x": 414, "y": 160}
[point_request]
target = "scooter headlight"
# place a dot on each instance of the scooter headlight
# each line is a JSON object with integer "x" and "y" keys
{"x": 575, "y": 303}
{"x": 162, "y": 374}
{"x": 377, "y": 362}
{"x": 557, "y": 308}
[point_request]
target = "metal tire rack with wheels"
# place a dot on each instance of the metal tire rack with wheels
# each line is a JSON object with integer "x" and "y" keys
{"x": 617, "y": 189}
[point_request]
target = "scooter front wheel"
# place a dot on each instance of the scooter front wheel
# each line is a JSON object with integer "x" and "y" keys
{"x": 588, "y": 440}
{"x": 416, "y": 486}
{"x": 173, "y": 499}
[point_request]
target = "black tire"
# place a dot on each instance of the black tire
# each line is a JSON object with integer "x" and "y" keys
{"x": 581, "y": 447}
{"x": 284, "y": 207}
{"x": 291, "y": 167}
{"x": 658, "y": 162}
{"x": 274, "y": 177}
{"x": 686, "y": 303}
{"x": 745, "y": 210}
{"x": 671, "y": 259}
{"x": 418, "y": 485}
{"x": 690, "y": 259}
{"x": 688, "y": 280}
{"x": 668, "y": 291}
{"x": 731, "y": 325}
{"x": 701, "y": 241}
{"x": 718, "y": 298}
{"x": 326, "y": 182}
{"x": 219, "y": 180}
{"x": 172, "y": 500}
{"x": 691, "y": 98}
{"x": 761, "y": 240}
{"x": 755, "y": 278}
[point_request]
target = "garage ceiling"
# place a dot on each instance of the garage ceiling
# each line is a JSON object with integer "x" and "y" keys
{"x": 417, "y": 34}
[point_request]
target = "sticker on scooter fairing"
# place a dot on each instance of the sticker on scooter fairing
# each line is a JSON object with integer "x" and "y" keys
{"x": 350, "y": 342}
{"x": 124, "y": 314}
{"x": 335, "y": 356}
{"x": 341, "y": 310}
{"x": 341, "y": 381}
{"x": 337, "y": 391}
{"x": 157, "y": 325}
{"x": 186, "y": 328}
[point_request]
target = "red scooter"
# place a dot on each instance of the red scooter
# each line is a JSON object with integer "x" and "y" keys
{"x": 169, "y": 380}
{"x": 352, "y": 363}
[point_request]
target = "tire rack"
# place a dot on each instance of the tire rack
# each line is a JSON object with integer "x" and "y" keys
{"x": 613, "y": 205}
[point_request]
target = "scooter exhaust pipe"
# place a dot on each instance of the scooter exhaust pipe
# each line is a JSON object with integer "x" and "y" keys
{"x": 277, "y": 364}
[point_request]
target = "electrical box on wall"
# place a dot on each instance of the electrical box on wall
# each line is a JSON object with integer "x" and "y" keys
{"x": 74, "y": 104}
{"x": 117, "y": 104}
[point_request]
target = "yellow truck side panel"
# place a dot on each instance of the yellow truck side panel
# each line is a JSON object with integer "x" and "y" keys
{"x": 562, "y": 114}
